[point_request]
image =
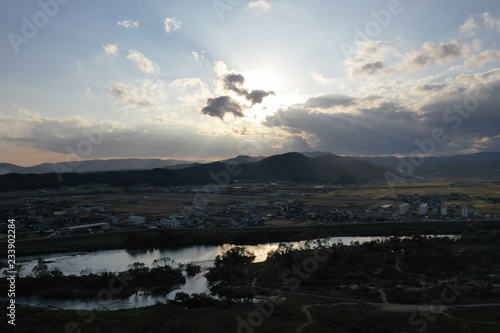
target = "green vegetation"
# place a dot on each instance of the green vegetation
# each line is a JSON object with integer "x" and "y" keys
{"x": 53, "y": 284}
{"x": 174, "y": 238}
{"x": 410, "y": 284}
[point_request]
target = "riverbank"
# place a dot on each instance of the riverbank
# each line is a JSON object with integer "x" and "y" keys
{"x": 144, "y": 239}
{"x": 408, "y": 284}
{"x": 297, "y": 313}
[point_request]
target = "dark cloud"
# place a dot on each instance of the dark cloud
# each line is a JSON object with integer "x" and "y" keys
{"x": 371, "y": 68}
{"x": 218, "y": 107}
{"x": 430, "y": 87}
{"x": 257, "y": 96}
{"x": 234, "y": 82}
{"x": 329, "y": 101}
{"x": 367, "y": 132}
{"x": 387, "y": 127}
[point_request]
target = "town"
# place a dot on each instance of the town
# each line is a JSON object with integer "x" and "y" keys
{"x": 88, "y": 210}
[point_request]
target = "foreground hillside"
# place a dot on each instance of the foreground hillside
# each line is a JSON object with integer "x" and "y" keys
{"x": 415, "y": 284}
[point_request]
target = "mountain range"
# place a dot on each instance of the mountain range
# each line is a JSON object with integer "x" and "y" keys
{"x": 286, "y": 167}
{"x": 430, "y": 164}
{"x": 478, "y": 163}
{"x": 97, "y": 165}
{"x": 318, "y": 167}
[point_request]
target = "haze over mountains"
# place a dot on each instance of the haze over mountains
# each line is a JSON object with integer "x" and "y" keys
{"x": 286, "y": 167}
{"x": 299, "y": 167}
{"x": 96, "y": 165}
{"x": 429, "y": 164}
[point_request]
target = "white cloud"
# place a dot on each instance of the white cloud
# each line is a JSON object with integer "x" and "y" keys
{"x": 172, "y": 24}
{"x": 145, "y": 94}
{"x": 320, "y": 78}
{"x": 430, "y": 54}
{"x": 220, "y": 68}
{"x": 483, "y": 58}
{"x": 111, "y": 49}
{"x": 196, "y": 57}
{"x": 491, "y": 22}
{"x": 144, "y": 64}
{"x": 129, "y": 24}
{"x": 369, "y": 59}
{"x": 469, "y": 28}
{"x": 259, "y": 6}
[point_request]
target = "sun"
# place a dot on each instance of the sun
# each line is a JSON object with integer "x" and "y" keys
{"x": 264, "y": 80}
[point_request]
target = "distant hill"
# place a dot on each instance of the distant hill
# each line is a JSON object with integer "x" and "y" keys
{"x": 96, "y": 165}
{"x": 242, "y": 159}
{"x": 314, "y": 154}
{"x": 471, "y": 163}
{"x": 291, "y": 166}
{"x": 325, "y": 168}
{"x": 320, "y": 167}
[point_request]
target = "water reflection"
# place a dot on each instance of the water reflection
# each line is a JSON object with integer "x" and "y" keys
{"x": 118, "y": 260}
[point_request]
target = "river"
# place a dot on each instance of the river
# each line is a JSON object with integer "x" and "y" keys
{"x": 118, "y": 261}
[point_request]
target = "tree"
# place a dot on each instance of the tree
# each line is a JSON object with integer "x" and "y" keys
{"x": 163, "y": 262}
{"x": 137, "y": 268}
{"x": 41, "y": 269}
{"x": 235, "y": 256}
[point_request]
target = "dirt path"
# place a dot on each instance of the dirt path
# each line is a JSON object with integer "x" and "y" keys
{"x": 396, "y": 265}
{"x": 393, "y": 307}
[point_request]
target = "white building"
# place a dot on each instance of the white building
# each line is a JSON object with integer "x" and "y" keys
{"x": 137, "y": 220}
{"x": 170, "y": 222}
{"x": 464, "y": 210}
{"x": 404, "y": 208}
{"x": 93, "y": 208}
{"x": 444, "y": 210}
{"x": 422, "y": 210}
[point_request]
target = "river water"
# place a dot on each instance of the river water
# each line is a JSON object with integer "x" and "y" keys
{"x": 118, "y": 260}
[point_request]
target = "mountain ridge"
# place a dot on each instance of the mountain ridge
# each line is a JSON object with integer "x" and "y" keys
{"x": 285, "y": 167}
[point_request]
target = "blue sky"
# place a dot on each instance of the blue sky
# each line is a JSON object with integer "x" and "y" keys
{"x": 205, "y": 80}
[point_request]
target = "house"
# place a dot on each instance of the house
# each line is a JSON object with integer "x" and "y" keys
{"x": 93, "y": 208}
{"x": 422, "y": 210}
{"x": 444, "y": 210}
{"x": 136, "y": 220}
{"x": 170, "y": 222}
{"x": 464, "y": 210}
{"x": 404, "y": 208}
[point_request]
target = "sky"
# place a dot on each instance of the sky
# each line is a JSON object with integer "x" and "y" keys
{"x": 208, "y": 80}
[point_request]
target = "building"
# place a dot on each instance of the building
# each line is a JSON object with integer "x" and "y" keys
{"x": 94, "y": 226}
{"x": 404, "y": 208}
{"x": 422, "y": 210}
{"x": 93, "y": 208}
{"x": 137, "y": 220}
{"x": 444, "y": 210}
{"x": 464, "y": 210}
{"x": 170, "y": 222}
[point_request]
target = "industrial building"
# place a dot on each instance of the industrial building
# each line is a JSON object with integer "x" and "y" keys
{"x": 422, "y": 210}
{"x": 404, "y": 208}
